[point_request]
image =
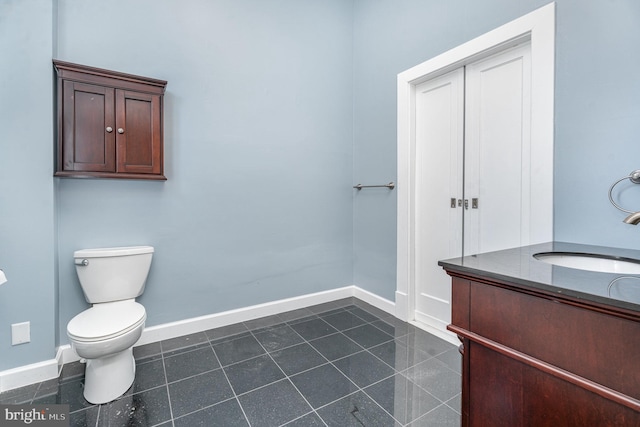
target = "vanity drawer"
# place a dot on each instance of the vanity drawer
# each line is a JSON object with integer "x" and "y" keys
{"x": 595, "y": 345}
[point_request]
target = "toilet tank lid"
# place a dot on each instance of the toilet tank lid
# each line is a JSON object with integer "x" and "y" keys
{"x": 109, "y": 252}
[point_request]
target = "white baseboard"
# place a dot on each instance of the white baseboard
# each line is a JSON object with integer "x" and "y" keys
{"x": 49, "y": 369}
{"x": 375, "y": 300}
{"x": 402, "y": 306}
{"x": 435, "y": 327}
{"x": 445, "y": 335}
{"x": 211, "y": 321}
{"x": 29, "y": 374}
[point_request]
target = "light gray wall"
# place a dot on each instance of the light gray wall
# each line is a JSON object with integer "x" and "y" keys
{"x": 273, "y": 111}
{"x": 258, "y": 148}
{"x": 597, "y": 122}
{"x": 26, "y": 185}
{"x": 258, "y": 131}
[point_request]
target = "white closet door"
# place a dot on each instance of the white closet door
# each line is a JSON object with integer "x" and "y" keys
{"x": 497, "y": 151}
{"x": 439, "y": 110}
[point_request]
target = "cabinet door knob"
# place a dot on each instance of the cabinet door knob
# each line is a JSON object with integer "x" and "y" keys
{"x": 109, "y": 129}
{"x": 120, "y": 130}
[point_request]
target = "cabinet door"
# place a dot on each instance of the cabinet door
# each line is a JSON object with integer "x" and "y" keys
{"x": 88, "y": 134}
{"x": 139, "y": 132}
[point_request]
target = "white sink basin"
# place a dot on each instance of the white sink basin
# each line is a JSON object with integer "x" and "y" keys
{"x": 591, "y": 262}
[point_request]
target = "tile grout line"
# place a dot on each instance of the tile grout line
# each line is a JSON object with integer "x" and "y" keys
{"x": 447, "y": 402}
{"x": 442, "y": 402}
{"x": 235, "y": 395}
{"x": 376, "y": 402}
{"x": 99, "y": 415}
{"x": 166, "y": 384}
{"x": 205, "y": 407}
{"x": 330, "y": 362}
{"x": 429, "y": 412}
{"x": 287, "y": 377}
{"x": 320, "y": 317}
{"x": 364, "y": 349}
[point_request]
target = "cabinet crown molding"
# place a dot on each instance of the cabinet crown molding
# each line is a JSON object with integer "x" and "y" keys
{"x": 84, "y": 73}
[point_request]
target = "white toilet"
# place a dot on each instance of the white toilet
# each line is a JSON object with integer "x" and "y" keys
{"x": 104, "y": 334}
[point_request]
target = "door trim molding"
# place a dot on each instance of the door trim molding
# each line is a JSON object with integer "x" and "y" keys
{"x": 538, "y": 27}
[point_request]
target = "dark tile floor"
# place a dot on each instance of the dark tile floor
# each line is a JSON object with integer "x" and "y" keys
{"x": 343, "y": 363}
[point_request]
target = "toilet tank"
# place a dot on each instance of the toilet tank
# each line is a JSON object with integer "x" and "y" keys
{"x": 113, "y": 274}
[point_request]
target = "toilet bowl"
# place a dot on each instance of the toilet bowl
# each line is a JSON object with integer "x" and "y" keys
{"x": 105, "y": 334}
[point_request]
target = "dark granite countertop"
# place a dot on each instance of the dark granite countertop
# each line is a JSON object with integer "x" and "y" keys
{"x": 519, "y": 267}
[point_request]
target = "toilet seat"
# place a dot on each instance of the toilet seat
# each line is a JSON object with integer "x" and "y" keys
{"x": 106, "y": 320}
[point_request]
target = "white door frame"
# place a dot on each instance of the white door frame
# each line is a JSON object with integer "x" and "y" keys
{"x": 539, "y": 28}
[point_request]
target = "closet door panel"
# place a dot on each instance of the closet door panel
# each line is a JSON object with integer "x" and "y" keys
{"x": 438, "y": 154}
{"x": 497, "y": 151}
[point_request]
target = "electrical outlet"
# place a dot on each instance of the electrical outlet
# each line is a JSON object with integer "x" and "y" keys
{"x": 20, "y": 333}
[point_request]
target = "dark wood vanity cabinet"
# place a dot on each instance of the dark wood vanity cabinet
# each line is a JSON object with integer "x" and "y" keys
{"x": 110, "y": 124}
{"x": 532, "y": 359}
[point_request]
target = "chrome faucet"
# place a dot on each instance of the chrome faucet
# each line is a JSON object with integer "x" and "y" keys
{"x": 634, "y": 219}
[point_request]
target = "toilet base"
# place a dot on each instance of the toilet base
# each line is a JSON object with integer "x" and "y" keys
{"x": 107, "y": 378}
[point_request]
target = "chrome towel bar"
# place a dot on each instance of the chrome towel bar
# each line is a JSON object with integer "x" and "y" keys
{"x": 390, "y": 186}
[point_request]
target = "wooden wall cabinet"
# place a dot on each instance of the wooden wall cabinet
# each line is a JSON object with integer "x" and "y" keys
{"x": 532, "y": 360}
{"x": 110, "y": 124}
